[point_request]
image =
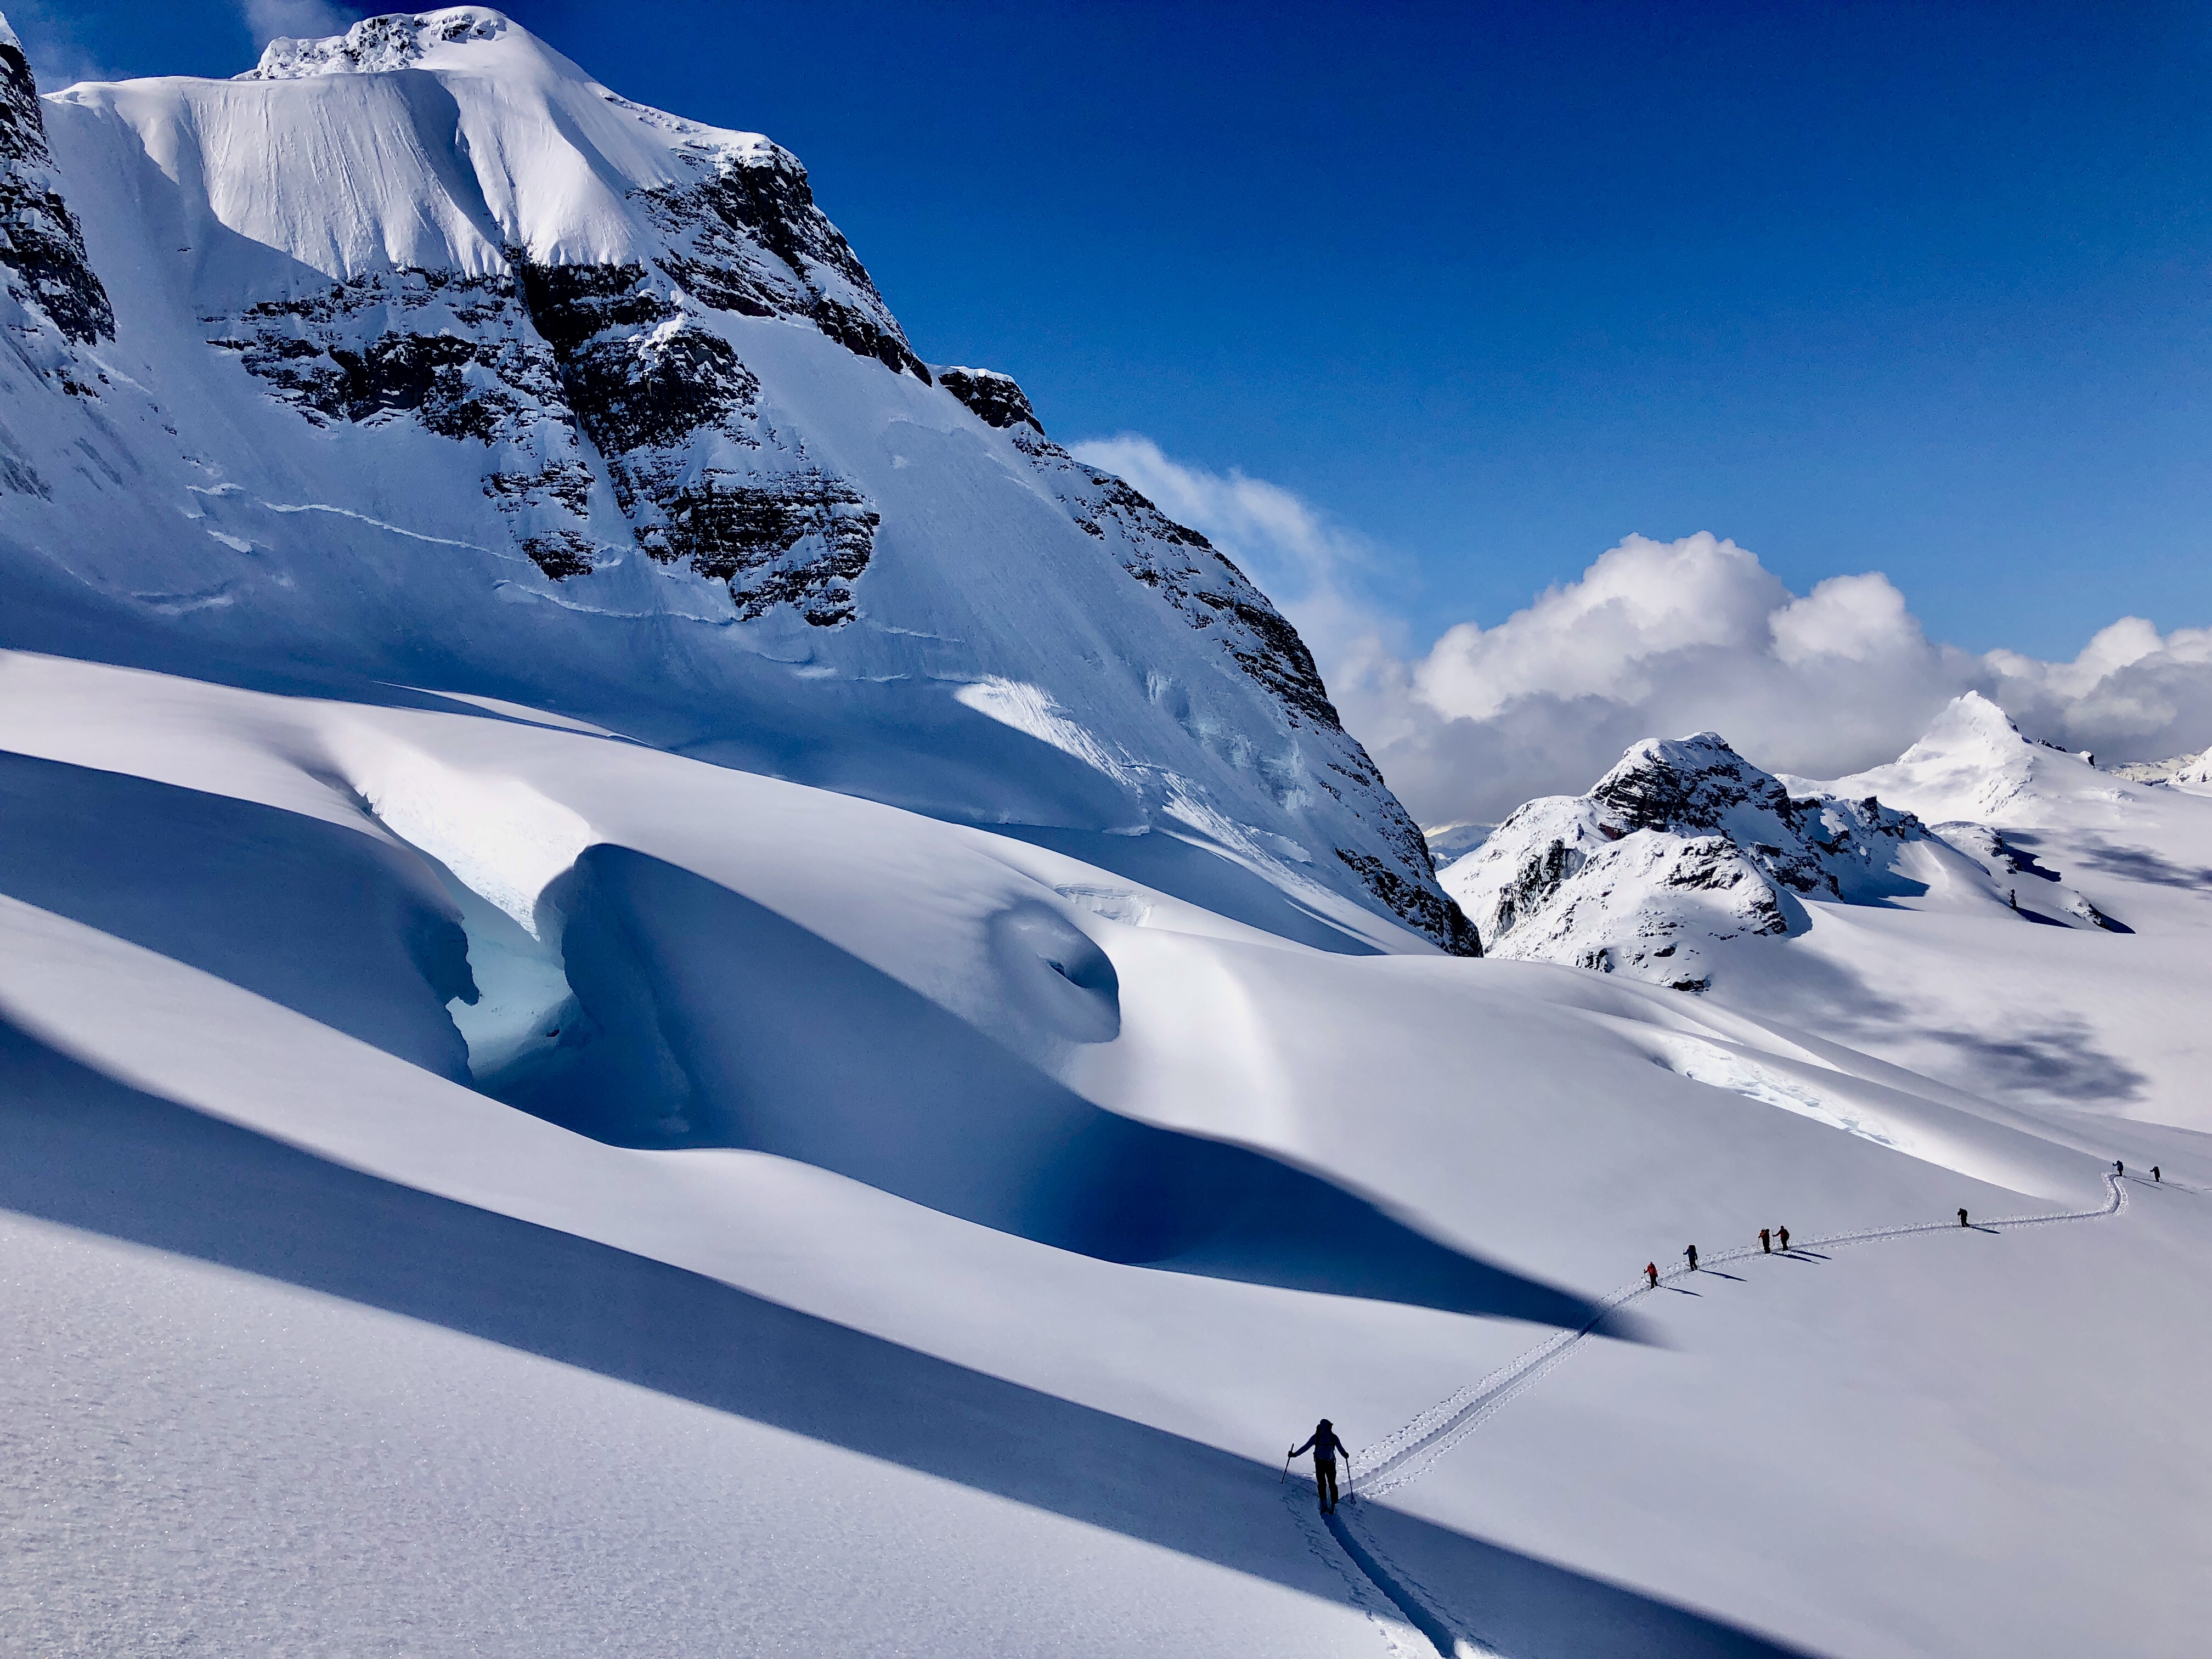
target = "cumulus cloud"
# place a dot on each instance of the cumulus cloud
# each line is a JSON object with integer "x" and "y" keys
{"x": 296, "y": 20}
{"x": 1660, "y": 639}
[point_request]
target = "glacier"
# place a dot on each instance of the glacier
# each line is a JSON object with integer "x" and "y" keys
{"x": 667, "y": 986}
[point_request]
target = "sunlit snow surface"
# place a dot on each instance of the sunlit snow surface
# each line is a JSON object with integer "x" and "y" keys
{"x": 262, "y": 1229}
{"x": 545, "y": 1116}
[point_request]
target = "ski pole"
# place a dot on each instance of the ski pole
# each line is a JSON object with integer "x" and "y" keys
{"x": 1285, "y": 1475}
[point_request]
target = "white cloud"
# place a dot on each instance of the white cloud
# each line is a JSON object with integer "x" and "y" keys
{"x": 297, "y": 20}
{"x": 1658, "y": 639}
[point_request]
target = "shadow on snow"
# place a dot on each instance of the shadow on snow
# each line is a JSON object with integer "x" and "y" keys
{"x": 94, "y": 1154}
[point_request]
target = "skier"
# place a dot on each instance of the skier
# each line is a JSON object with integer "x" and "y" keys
{"x": 1962, "y": 1218}
{"x": 2118, "y": 1168}
{"x": 1325, "y": 1446}
{"x": 2155, "y": 1175}
{"x": 1692, "y": 1254}
{"x": 1764, "y": 1247}
{"x": 1651, "y": 1272}
{"x": 1783, "y": 1234}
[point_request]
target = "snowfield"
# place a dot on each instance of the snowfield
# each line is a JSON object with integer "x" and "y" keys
{"x": 798, "y": 1032}
{"x": 951, "y": 1237}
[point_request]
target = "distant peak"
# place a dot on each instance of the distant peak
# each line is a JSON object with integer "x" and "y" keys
{"x": 8, "y": 36}
{"x": 394, "y": 41}
{"x": 1972, "y": 706}
{"x": 1970, "y": 718}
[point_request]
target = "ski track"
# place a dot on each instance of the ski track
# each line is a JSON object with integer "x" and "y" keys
{"x": 1405, "y": 1455}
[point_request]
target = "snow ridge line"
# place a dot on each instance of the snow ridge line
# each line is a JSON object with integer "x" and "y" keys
{"x": 1410, "y": 1452}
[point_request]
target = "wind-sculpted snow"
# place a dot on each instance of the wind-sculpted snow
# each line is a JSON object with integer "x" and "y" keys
{"x": 944, "y": 1200}
{"x": 439, "y": 363}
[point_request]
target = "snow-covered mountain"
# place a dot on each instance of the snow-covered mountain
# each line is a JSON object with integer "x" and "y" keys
{"x": 1685, "y": 846}
{"x": 1682, "y": 845}
{"x": 667, "y": 988}
{"x": 418, "y": 355}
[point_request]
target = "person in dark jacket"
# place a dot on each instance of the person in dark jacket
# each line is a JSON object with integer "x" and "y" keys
{"x": 1690, "y": 1255}
{"x": 2154, "y": 1175}
{"x": 1325, "y": 1446}
{"x": 1783, "y": 1233}
{"x": 1962, "y": 1218}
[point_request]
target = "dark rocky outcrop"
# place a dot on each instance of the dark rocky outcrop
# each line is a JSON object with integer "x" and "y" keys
{"x": 997, "y": 399}
{"x": 1430, "y": 912}
{"x": 455, "y": 354}
{"x": 1682, "y": 846}
{"x": 41, "y": 244}
{"x": 662, "y": 394}
{"x": 746, "y": 236}
{"x": 1188, "y": 573}
{"x": 801, "y": 539}
{"x": 1700, "y": 786}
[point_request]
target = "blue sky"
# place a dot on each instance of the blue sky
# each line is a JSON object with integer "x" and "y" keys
{"x": 1919, "y": 288}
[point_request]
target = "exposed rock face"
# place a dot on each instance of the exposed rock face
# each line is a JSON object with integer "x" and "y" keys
{"x": 747, "y": 237}
{"x": 1820, "y": 846}
{"x": 996, "y": 398}
{"x": 455, "y": 354}
{"x": 41, "y": 245}
{"x": 615, "y": 353}
{"x": 1681, "y": 845}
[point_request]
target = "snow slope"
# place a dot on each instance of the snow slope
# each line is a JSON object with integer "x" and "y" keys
{"x": 665, "y": 987}
{"x": 418, "y": 355}
{"x": 2027, "y": 928}
{"x": 1302, "y": 1180}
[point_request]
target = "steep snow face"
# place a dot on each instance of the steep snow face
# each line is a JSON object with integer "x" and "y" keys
{"x": 1682, "y": 845}
{"x": 430, "y": 360}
